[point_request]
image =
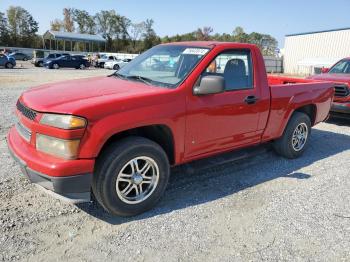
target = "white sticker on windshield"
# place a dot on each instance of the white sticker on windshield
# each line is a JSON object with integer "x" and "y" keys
{"x": 195, "y": 51}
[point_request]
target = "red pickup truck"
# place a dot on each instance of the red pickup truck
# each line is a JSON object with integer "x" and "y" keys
{"x": 117, "y": 136}
{"x": 339, "y": 73}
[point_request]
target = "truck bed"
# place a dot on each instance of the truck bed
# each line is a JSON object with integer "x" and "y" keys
{"x": 288, "y": 94}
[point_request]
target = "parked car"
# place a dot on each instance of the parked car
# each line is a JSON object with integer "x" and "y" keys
{"x": 105, "y": 58}
{"x": 163, "y": 65}
{"x": 120, "y": 134}
{"x": 116, "y": 64}
{"x": 20, "y": 56}
{"x": 68, "y": 61}
{"x": 339, "y": 73}
{"x": 38, "y": 62}
{"x": 7, "y": 61}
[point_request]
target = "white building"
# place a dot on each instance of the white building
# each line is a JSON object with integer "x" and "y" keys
{"x": 307, "y": 53}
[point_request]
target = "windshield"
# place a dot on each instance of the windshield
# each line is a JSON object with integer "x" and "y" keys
{"x": 164, "y": 65}
{"x": 342, "y": 67}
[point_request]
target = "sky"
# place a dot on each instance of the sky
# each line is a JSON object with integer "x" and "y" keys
{"x": 273, "y": 17}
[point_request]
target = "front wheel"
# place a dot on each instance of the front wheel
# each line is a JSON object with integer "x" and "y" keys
{"x": 55, "y": 66}
{"x": 9, "y": 65}
{"x": 131, "y": 176}
{"x": 116, "y": 67}
{"x": 295, "y": 137}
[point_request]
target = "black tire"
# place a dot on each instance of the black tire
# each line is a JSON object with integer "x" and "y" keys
{"x": 284, "y": 145}
{"x": 9, "y": 65}
{"x": 55, "y": 66}
{"x": 113, "y": 159}
{"x": 116, "y": 67}
{"x": 25, "y": 59}
{"x": 40, "y": 64}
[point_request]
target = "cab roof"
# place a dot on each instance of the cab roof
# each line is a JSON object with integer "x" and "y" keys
{"x": 208, "y": 44}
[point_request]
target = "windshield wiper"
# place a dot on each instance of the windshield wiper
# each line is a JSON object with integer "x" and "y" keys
{"x": 143, "y": 79}
{"x": 118, "y": 75}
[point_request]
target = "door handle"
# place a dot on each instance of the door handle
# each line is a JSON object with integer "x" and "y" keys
{"x": 250, "y": 100}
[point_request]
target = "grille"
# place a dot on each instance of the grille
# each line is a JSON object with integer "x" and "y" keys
{"x": 341, "y": 90}
{"x": 28, "y": 113}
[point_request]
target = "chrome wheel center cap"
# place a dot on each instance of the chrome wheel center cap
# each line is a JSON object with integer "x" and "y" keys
{"x": 137, "y": 179}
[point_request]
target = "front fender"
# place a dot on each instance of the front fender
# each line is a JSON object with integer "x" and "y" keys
{"x": 169, "y": 114}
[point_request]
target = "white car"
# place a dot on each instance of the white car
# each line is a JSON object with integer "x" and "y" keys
{"x": 105, "y": 58}
{"x": 116, "y": 64}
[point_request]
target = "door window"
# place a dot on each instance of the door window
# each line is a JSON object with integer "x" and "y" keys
{"x": 236, "y": 68}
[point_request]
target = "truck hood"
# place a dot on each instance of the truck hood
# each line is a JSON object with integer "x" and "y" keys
{"x": 332, "y": 77}
{"x": 75, "y": 96}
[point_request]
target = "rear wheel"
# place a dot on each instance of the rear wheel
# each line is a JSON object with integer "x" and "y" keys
{"x": 131, "y": 176}
{"x": 116, "y": 67}
{"x": 9, "y": 65}
{"x": 82, "y": 66}
{"x": 40, "y": 64}
{"x": 295, "y": 137}
{"x": 25, "y": 59}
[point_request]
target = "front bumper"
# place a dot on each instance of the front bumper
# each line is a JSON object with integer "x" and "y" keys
{"x": 340, "y": 109}
{"x": 68, "y": 178}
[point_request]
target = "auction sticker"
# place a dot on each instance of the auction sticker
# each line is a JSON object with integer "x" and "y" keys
{"x": 195, "y": 51}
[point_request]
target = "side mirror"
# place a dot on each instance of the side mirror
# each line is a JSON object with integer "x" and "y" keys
{"x": 324, "y": 70}
{"x": 210, "y": 84}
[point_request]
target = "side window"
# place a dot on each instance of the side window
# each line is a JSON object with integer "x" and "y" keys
{"x": 236, "y": 68}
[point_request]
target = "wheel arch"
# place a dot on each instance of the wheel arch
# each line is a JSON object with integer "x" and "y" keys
{"x": 160, "y": 134}
{"x": 310, "y": 110}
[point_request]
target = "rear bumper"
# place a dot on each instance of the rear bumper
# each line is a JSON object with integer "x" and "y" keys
{"x": 340, "y": 108}
{"x": 60, "y": 176}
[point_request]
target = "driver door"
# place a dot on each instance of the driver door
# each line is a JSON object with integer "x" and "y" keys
{"x": 66, "y": 61}
{"x": 226, "y": 120}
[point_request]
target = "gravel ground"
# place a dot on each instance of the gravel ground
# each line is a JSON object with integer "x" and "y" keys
{"x": 262, "y": 208}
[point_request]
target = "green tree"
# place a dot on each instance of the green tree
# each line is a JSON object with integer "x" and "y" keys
{"x": 85, "y": 22}
{"x": 4, "y": 32}
{"x": 150, "y": 37}
{"x": 108, "y": 25}
{"x": 22, "y": 26}
{"x": 136, "y": 31}
{"x": 203, "y": 34}
{"x": 239, "y": 35}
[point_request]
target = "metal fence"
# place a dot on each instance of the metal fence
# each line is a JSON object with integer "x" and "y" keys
{"x": 273, "y": 64}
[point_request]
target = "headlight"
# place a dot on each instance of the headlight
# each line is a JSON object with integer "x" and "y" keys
{"x": 63, "y": 121}
{"x": 58, "y": 147}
